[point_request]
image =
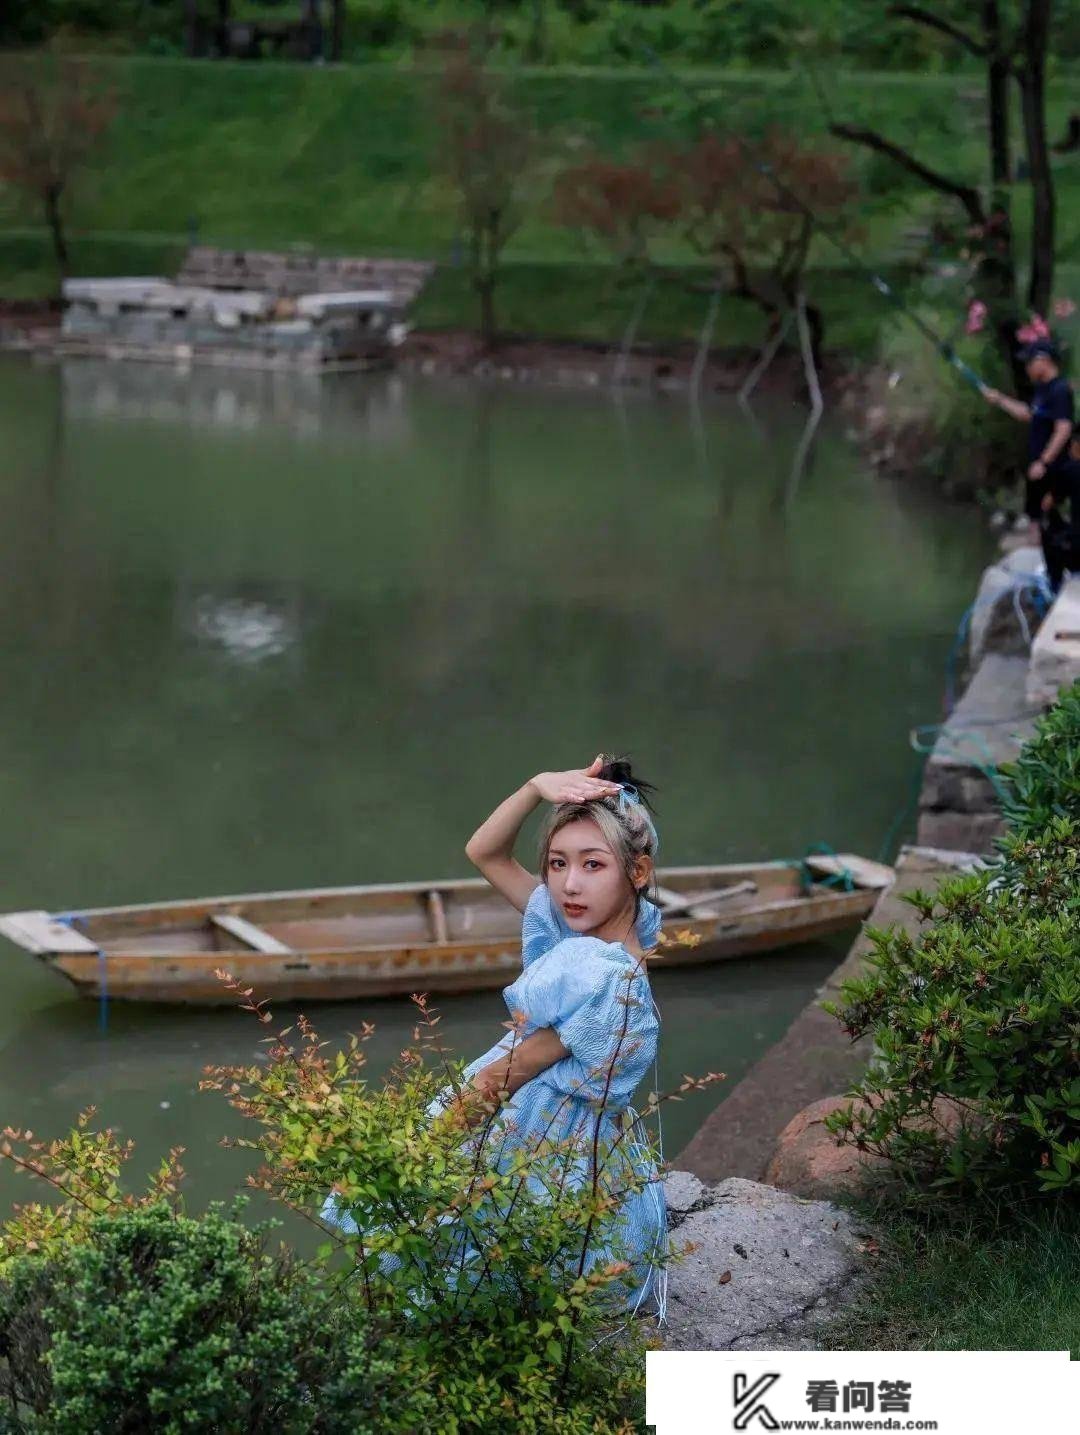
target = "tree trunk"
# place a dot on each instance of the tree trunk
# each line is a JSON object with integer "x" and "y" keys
{"x": 485, "y": 288}
{"x": 1032, "y": 80}
{"x": 223, "y": 42}
{"x": 997, "y": 101}
{"x": 313, "y": 21}
{"x": 338, "y": 33}
{"x": 815, "y": 322}
{"x": 56, "y": 227}
{"x": 191, "y": 28}
{"x": 536, "y": 45}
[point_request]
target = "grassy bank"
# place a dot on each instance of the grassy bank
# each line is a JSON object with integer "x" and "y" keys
{"x": 340, "y": 159}
{"x": 1009, "y": 1281}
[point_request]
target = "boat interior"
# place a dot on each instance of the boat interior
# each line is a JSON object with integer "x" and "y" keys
{"x": 409, "y": 914}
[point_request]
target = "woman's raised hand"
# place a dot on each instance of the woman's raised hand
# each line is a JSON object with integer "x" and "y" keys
{"x": 579, "y": 784}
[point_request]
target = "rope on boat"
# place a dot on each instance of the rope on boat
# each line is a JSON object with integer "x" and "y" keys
{"x": 844, "y": 878}
{"x": 74, "y": 920}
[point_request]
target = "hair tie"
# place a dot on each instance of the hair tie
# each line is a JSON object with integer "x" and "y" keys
{"x": 630, "y": 797}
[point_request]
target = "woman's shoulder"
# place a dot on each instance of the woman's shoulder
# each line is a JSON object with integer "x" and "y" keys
{"x": 577, "y": 971}
{"x": 582, "y": 963}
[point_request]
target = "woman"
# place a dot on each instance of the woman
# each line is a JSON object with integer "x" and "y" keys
{"x": 590, "y": 1022}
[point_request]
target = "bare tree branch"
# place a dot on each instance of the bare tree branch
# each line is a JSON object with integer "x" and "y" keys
{"x": 966, "y": 194}
{"x": 922, "y": 16}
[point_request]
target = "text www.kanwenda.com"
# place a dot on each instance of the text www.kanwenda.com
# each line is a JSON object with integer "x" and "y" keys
{"x": 827, "y": 1424}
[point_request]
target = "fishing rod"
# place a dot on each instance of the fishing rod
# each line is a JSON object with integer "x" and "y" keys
{"x": 855, "y": 260}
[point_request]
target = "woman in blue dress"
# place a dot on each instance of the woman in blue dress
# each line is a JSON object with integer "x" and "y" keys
{"x": 590, "y": 1024}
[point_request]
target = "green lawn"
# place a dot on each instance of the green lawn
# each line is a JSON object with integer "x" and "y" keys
{"x": 980, "y": 1281}
{"x": 341, "y": 159}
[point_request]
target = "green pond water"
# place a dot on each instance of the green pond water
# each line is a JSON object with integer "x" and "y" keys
{"x": 267, "y": 631}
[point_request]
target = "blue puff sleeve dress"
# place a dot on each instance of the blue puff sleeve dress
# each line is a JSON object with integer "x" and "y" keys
{"x": 579, "y": 986}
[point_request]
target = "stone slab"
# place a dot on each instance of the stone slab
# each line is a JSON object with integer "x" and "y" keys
{"x": 996, "y": 626}
{"x": 1055, "y": 653}
{"x": 768, "y": 1269}
{"x": 992, "y": 720}
{"x": 814, "y": 1058}
{"x": 959, "y": 805}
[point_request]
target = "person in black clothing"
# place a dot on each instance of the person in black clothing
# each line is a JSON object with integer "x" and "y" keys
{"x": 1049, "y": 417}
{"x": 1060, "y": 520}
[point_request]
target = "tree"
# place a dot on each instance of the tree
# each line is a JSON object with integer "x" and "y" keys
{"x": 485, "y": 151}
{"x": 1012, "y": 47}
{"x": 54, "y": 111}
{"x": 619, "y": 202}
{"x": 750, "y": 208}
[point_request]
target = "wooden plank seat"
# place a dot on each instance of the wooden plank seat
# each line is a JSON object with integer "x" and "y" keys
{"x": 248, "y": 933}
{"x": 700, "y": 905}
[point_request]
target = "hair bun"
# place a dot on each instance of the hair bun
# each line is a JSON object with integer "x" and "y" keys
{"x": 618, "y": 769}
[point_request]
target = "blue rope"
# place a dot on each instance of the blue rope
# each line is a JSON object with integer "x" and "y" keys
{"x": 1035, "y": 583}
{"x": 988, "y": 768}
{"x": 75, "y": 920}
{"x": 844, "y": 878}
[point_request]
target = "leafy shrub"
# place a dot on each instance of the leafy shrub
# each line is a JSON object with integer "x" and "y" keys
{"x": 981, "y": 1013}
{"x": 471, "y": 1298}
{"x": 156, "y": 1321}
{"x": 489, "y": 1252}
{"x": 1044, "y": 782}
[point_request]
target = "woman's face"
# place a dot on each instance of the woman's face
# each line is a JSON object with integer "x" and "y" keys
{"x": 585, "y": 878}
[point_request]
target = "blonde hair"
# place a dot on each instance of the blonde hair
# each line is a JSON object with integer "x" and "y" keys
{"x": 626, "y": 827}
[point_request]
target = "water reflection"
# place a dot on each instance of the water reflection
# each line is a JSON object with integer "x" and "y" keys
{"x": 263, "y": 632}
{"x": 244, "y": 400}
{"x": 247, "y": 627}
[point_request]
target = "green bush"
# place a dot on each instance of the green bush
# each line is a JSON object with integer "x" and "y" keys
{"x": 975, "y": 1086}
{"x": 488, "y": 1255}
{"x": 472, "y": 1297}
{"x": 1044, "y": 782}
{"x": 156, "y": 1321}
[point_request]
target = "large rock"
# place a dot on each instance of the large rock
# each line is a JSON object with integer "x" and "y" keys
{"x": 767, "y": 1269}
{"x": 809, "y": 1160}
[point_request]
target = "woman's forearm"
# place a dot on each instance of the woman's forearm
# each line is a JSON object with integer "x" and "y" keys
{"x": 494, "y": 839}
{"x": 530, "y": 1056}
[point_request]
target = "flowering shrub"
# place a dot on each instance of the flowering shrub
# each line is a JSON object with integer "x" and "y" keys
{"x": 470, "y": 1296}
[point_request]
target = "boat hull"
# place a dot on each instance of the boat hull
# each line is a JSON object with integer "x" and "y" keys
{"x": 346, "y": 944}
{"x": 187, "y": 977}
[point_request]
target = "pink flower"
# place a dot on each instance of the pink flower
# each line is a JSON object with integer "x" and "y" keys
{"x": 976, "y": 317}
{"x": 1064, "y": 308}
{"x": 1035, "y": 328}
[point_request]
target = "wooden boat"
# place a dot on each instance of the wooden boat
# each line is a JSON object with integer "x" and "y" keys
{"x": 343, "y": 943}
